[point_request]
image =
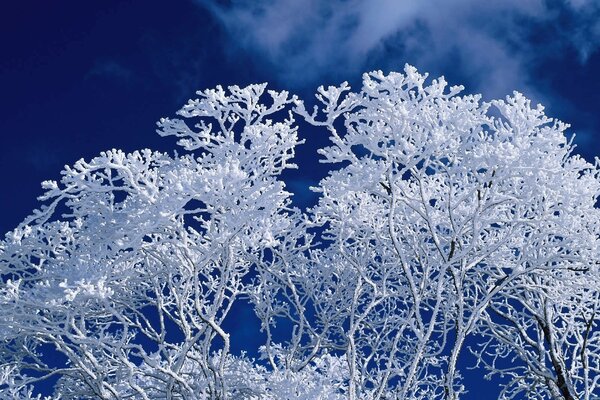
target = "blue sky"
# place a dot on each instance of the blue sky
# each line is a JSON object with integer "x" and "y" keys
{"x": 79, "y": 77}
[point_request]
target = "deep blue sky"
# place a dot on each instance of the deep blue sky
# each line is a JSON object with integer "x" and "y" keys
{"x": 79, "y": 77}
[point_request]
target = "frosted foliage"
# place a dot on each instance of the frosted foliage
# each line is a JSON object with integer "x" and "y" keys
{"x": 450, "y": 234}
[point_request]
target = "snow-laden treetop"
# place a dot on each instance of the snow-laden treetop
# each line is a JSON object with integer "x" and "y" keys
{"x": 449, "y": 232}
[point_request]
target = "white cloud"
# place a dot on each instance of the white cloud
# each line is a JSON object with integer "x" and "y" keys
{"x": 487, "y": 42}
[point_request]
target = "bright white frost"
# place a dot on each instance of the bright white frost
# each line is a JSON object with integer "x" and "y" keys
{"x": 447, "y": 228}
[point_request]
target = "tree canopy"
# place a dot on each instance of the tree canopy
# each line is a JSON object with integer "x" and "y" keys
{"x": 447, "y": 225}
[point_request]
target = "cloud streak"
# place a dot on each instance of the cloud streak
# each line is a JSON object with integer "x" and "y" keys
{"x": 110, "y": 69}
{"x": 491, "y": 45}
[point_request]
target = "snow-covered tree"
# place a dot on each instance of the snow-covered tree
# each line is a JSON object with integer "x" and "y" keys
{"x": 135, "y": 260}
{"x": 444, "y": 221}
{"x": 446, "y": 205}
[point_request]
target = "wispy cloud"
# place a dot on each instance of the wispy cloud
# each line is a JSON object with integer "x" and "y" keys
{"x": 110, "y": 69}
{"x": 492, "y": 45}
